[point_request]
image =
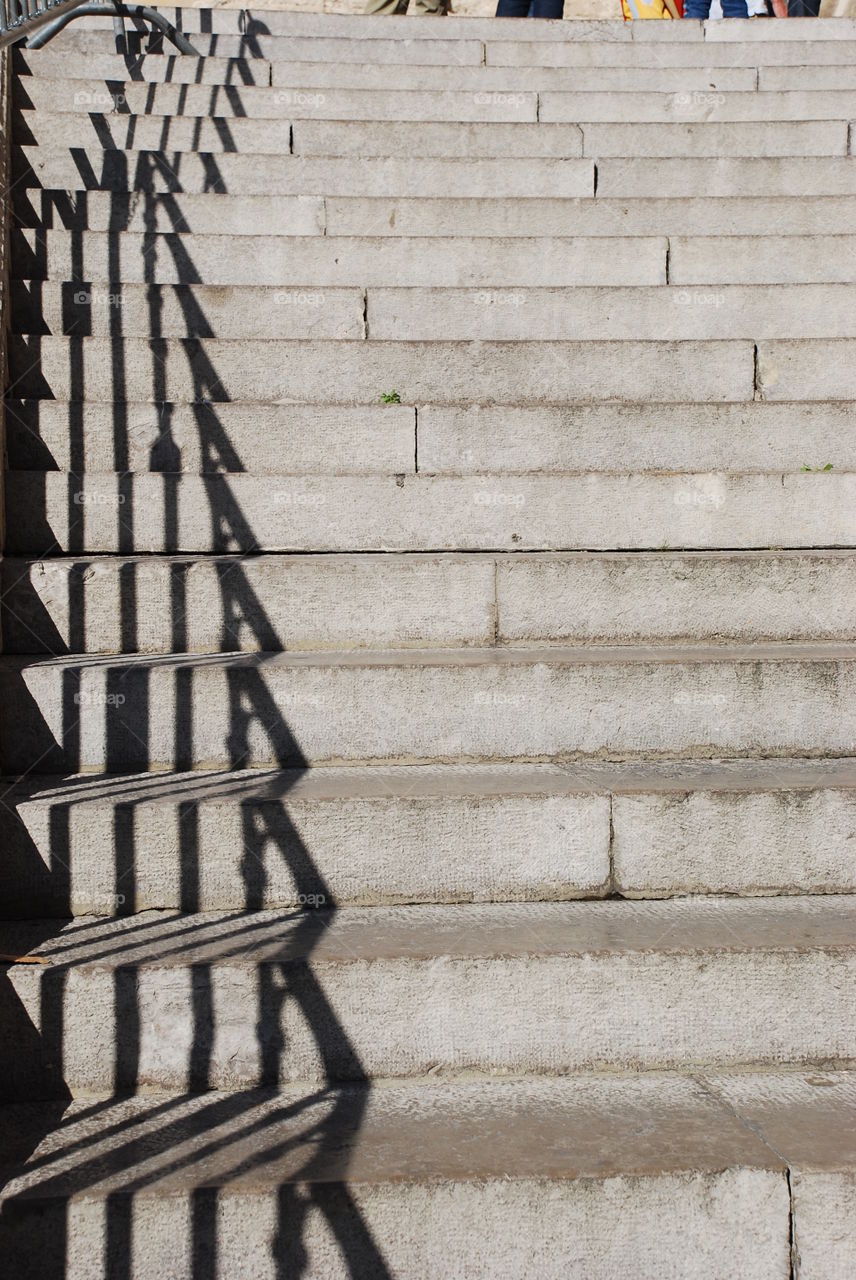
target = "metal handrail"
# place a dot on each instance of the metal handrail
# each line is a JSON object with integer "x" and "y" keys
{"x": 37, "y": 21}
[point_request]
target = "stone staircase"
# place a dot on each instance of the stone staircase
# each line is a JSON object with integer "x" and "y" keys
{"x": 429, "y": 681}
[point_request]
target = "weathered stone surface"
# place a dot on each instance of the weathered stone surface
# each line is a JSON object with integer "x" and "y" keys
{"x": 279, "y": 602}
{"x": 66, "y": 63}
{"x": 328, "y": 372}
{"x": 357, "y": 261}
{"x": 259, "y": 602}
{"x": 400, "y": 991}
{"x": 163, "y": 213}
{"x": 640, "y": 78}
{"x": 188, "y": 311}
{"x": 664, "y": 108}
{"x": 130, "y": 713}
{"x": 805, "y": 77}
{"x": 52, "y": 513}
{"x": 796, "y": 841}
{"x": 761, "y": 260}
{"x": 798, "y": 370}
{"x": 767, "y": 437}
{"x": 422, "y": 834}
{"x": 666, "y": 596}
{"x": 394, "y": 138}
{"x": 699, "y": 310}
{"x": 785, "y": 176}
{"x": 649, "y": 1176}
{"x": 174, "y": 171}
{"x": 331, "y": 836}
{"x": 236, "y": 436}
{"x": 755, "y": 138}
{"x": 569, "y": 53}
{"x": 229, "y": 104}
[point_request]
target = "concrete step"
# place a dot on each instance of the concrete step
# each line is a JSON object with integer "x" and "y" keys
{"x": 343, "y": 25}
{"x": 420, "y": 138}
{"x": 67, "y": 64}
{"x": 476, "y": 440}
{"x": 178, "y": 101}
{"x": 758, "y": 260}
{"x": 263, "y": 439}
{"x": 525, "y": 79}
{"x": 681, "y": 178}
{"x": 220, "y": 841}
{"x": 672, "y": 177}
{"x": 273, "y": 602}
{"x": 115, "y": 131}
{"x": 300, "y": 602}
{"x": 257, "y": 839}
{"x": 815, "y": 29}
{"x": 662, "y": 1177}
{"x": 490, "y": 440}
{"x": 238, "y": 73}
{"x": 206, "y": 214}
{"x": 308, "y": 103}
{"x": 309, "y": 603}
{"x": 54, "y": 513}
{"x": 84, "y": 714}
{"x": 668, "y": 108}
{"x": 721, "y": 140}
{"x": 548, "y": 276}
{"x": 313, "y": 262}
{"x": 521, "y": 314}
{"x": 443, "y": 216}
{"x": 673, "y": 313}
{"x": 438, "y": 49}
{"x": 778, "y": 78}
{"x": 168, "y": 171}
{"x": 427, "y": 51}
{"x": 687, "y": 216}
{"x": 570, "y": 53}
{"x": 373, "y": 992}
{"x": 328, "y": 372}
{"x": 234, "y": 21}
{"x": 195, "y": 311}
{"x": 337, "y": 138}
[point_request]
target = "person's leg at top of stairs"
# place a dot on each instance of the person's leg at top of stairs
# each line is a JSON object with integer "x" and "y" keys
{"x": 701, "y": 9}
{"x": 530, "y": 8}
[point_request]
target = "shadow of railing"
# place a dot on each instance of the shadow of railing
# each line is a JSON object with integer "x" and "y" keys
{"x": 106, "y": 1144}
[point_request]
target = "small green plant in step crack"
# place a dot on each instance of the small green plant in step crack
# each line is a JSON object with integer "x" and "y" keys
{"x": 806, "y": 467}
{"x": 391, "y": 397}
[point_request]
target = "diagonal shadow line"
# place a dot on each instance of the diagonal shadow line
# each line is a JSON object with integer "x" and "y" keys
{"x": 278, "y": 987}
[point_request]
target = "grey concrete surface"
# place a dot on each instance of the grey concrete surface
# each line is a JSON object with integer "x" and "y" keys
{"x": 754, "y": 437}
{"x": 577, "y": 313}
{"x": 51, "y": 513}
{"x": 324, "y": 371}
{"x": 417, "y": 601}
{"x": 702, "y": 1185}
{"x": 290, "y": 175}
{"x": 86, "y": 713}
{"x": 359, "y": 261}
{"x": 427, "y": 834}
{"x": 718, "y": 983}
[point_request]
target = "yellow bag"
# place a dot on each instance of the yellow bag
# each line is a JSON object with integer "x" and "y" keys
{"x": 653, "y": 9}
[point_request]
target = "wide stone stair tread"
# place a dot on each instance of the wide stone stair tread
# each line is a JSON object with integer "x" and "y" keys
{"x": 218, "y": 839}
{"x": 406, "y": 1172}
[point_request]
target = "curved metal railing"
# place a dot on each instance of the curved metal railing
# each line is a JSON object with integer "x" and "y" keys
{"x": 36, "y": 21}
